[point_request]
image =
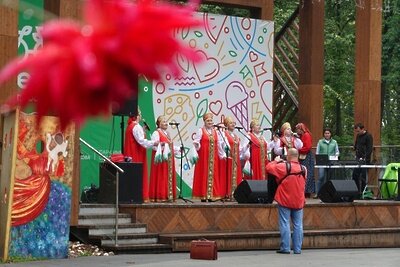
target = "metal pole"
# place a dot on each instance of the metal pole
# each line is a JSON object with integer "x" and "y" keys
{"x": 116, "y": 185}
{"x": 116, "y": 207}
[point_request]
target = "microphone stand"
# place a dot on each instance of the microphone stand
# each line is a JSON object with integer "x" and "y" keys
{"x": 122, "y": 125}
{"x": 226, "y": 164}
{"x": 181, "y": 167}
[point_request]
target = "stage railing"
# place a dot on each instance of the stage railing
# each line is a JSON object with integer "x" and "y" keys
{"x": 118, "y": 170}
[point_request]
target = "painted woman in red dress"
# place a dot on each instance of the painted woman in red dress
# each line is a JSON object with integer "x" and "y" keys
{"x": 135, "y": 146}
{"x": 162, "y": 186}
{"x": 258, "y": 148}
{"x": 206, "y": 180}
{"x": 230, "y": 168}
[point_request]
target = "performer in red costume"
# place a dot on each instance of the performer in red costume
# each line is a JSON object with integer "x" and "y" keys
{"x": 163, "y": 175}
{"x": 230, "y": 168}
{"x": 135, "y": 147}
{"x": 258, "y": 150}
{"x": 206, "y": 180}
{"x": 286, "y": 141}
{"x": 306, "y": 156}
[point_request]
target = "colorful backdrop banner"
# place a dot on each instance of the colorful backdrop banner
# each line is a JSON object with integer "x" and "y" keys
{"x": 234, "y": 79}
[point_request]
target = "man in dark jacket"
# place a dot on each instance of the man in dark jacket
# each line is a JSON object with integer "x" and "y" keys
{"x": 291, "y": 179}
{"x": 363, "y": 148}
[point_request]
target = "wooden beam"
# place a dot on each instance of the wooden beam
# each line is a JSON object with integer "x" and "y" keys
{"x": 311, "y": 70}
{"x": 367, "y": 89}
{"x": 8, "y": 46}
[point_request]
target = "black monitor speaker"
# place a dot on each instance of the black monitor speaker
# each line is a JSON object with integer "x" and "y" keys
{"x": 130, "y": 189}
{"x": 253, "y": 191}
{"x": 128, "y": 108}
{"x": 334, "y": 191}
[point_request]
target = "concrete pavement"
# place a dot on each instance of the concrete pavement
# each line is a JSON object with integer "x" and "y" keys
{"x": 386, "y": 257}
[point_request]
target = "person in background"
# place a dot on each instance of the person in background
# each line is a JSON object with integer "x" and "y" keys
{"x": 363, "y": 147}
{"x": 290, "y": 176}
{"x": 206, "y": 178}
{"x": 230, "y": 168}
{"x": 135, "y": 146}
{"x": 258, "y": 149}
{"x": 286, "y": 141}
{"x": 306, "y": 157}
{"x": 326, "y": 146}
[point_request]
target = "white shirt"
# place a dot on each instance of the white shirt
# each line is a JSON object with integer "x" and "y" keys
{"x": 279, "y": 150}
{"x": 270, "y": 145}
{"x": 138, "y": 134}
{"x": 199, "y": 135}
{"x": 225, "y": 143}
{"x": 156, "y": 137}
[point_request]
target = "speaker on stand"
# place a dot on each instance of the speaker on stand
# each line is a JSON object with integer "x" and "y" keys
{"x": 130, "y": 183}
{"x": 129, "y": 108}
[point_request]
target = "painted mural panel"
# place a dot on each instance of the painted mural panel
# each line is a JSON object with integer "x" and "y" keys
{"x": 234, "y": 79}
{"x": 8, "y": 151}
{"x": 40, "y": 212}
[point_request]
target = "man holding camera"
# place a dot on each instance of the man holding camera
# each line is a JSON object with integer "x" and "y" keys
{"x": 290, "y": 176}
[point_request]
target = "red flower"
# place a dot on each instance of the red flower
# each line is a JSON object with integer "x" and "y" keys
{"x": 82, "y": 70}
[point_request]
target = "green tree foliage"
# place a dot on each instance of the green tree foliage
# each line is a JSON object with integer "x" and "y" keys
{"x": 225, "y": 10}
{"x": 391, "y": 74}
{"x": 283, "y": 9}
{"x": 339, "y": 69}
{"x": 339, "y": 49}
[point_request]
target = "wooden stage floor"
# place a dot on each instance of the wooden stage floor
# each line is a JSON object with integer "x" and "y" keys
{"x": 362, "y": 223}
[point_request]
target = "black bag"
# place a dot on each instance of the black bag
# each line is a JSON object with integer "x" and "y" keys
{"x": 90, "y": 194}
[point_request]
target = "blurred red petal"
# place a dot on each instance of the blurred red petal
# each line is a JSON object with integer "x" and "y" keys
{"x": 81, "y": 70}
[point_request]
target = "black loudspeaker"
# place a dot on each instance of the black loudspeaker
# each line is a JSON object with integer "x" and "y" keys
{"x": 253, "y": 191}
{"x": 130, "y": 183}
{"x": 129, "y": 108}
{"x": 338, "y": 191}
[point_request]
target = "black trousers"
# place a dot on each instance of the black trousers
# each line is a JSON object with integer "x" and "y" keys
{"x": 360, "y": 177}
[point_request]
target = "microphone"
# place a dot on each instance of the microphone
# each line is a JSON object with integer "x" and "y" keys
{"x": 239, "y": 128}
{"x": 146, "y": 125}
{"x": 296, "y": 135}
{"x": 174, "y": 123}
{"x": 218, "y": 126}
{"x": 267, "y": 129}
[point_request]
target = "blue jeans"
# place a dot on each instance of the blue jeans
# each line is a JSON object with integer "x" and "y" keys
{"x": 321, "y": 179}
{"x": 284, "y": 227}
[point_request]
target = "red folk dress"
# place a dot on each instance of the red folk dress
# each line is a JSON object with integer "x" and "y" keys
{"x": 258, "y": 157}
{"x": 206, "y": 180}
{"x": 162, "y": 175}
{"x": 230, "y": 169}
{"x": 133, "y": 149}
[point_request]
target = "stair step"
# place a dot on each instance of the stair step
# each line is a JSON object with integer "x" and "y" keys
{"x": 103, "y": 219}
{"x": 138, "y": 248}
{"x": 125, "y": 236}
{"x": 96, "y": 209}
{"x": 130, "y": 239}
{"x": 328, "y": 238}
{"x": 130, "y": 228}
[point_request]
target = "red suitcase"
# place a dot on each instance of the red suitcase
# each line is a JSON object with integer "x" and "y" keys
{"x": 203, "y": 250}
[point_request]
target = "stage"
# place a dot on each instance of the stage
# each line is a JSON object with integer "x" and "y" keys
{"x": 362, "y": 223}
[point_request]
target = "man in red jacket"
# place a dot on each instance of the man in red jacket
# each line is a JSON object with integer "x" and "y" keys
{"x": 291, "y": 179}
